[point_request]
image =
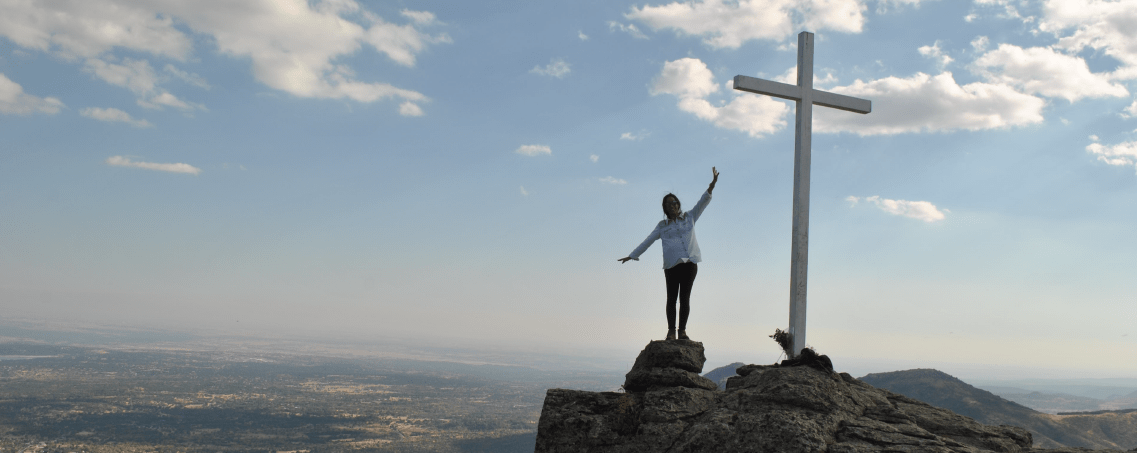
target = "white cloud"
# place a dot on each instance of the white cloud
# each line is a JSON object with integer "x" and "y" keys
{"x": 409, "y": 108}
{"x": 613, "y": 181}
{"x": 1009, "y": 11}
{"x": 420, "y": 17}
{"x": 685, "y": 78}
{"x": 87, "y": 28}
{"x": 524, "y": 193}
{"x": 291, "y": 44}
{"x": 141, "y": 79}
{"x": 634, "y": 137}
{"x": 919, "y": 210}
{"x": 122, "y": 161}
{"x": 1124, "y": 153}
{"x": 924, "y": 103}
{"x": 727, "y": 24}
{"x": 134, "y": 75}
{"x": 1101, "y": 25}
{"x": 691, "y": 81}
{"x": 401, "y": 42}
{"x": 165, "y": 99}
{"x": 113, "y": 115}
{"x": 1131, "y": 110}
{"x": 556, "y": 68}
{"x": 533, "y": 150}
{"x": 190, "y": 78}
{"x": 580, "y": 34}
{"x": 13, "y": 100}
{"x": 936, "y": 53}
{"x": 629, "y": 29}
{"x": 1044, "y": 71}
{"x": 882, "y": 6}
{"x": 980, "y": 43}
{"x": 920, "y": 103}
{"x": 594, "y": 158}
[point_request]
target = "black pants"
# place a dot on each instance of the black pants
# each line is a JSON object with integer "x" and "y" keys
{"x": 679, "y": 280}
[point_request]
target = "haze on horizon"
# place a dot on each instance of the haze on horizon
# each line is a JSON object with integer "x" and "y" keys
{"x": 469, "y": 174}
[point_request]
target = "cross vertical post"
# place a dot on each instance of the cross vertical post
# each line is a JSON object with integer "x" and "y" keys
{"x": 804, "y": 96}
{"x": 799, "y": 247}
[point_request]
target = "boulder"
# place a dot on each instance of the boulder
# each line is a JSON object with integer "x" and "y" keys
{"x": 683, "y": 354}
{"x": 665, "y": 364}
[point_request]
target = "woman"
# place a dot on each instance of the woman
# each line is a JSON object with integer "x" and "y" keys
{"x": 680, "y": 253}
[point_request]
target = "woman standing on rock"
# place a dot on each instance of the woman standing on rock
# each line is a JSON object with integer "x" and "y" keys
{"x": 680, "y": 253}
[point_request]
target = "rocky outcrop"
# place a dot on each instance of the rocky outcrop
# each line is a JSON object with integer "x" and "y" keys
{"x": 764, "y": 409}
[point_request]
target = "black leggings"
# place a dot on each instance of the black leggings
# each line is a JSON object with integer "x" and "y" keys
{"x": 679, "y": 280}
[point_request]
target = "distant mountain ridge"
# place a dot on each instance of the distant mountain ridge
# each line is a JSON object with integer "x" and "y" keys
{"x": 1114, "y": 429}
{"x": 722, "y": 373}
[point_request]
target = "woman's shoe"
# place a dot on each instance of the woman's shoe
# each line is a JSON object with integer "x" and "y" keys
{"x": 683, "y": 335}
{"x": 670, "y": 334}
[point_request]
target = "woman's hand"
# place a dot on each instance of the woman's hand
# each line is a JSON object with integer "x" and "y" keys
{"x": 713, "y": 181}
{"x": 624, "y": 259}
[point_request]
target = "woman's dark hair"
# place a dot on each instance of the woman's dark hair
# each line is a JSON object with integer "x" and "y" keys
{"x": 664, "y": 203}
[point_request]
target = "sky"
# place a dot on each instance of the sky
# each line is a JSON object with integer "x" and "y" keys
{"x": 468, "y": 173}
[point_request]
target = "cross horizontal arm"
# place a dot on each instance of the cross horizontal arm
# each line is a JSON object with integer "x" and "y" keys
{"x": 767, "y": 87}
{"x": 793, "y": 93}
{"x": 842, "y": 102}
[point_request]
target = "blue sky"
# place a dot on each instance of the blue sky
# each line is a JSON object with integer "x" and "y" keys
{"x": 469, "y": 173}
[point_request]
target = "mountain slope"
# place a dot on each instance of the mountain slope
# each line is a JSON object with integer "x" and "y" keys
{"x": 1050, "y": 431}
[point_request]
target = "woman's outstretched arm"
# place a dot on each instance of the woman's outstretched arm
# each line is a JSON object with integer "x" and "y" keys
{"x": 654, "y": 236}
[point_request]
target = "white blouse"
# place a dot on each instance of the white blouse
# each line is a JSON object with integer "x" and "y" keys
{"x": 679, "y": 244}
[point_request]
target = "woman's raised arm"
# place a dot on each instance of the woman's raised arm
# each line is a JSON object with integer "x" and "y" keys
{"x": 713, "y": 181}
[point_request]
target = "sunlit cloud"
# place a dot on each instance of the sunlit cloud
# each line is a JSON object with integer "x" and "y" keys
{"x": 919, "y": 210}
{"x": 141, "y": 79}
{"x": 691, "y": 81}
{"x": 627, "y": 28}
{"x": 1104, "y": 26}
{"x": 926, "y": 103}
{"x": 294, "y": 47}
{"x": 556, "y": 68}
{"x": 1044, "y": 71}
{"x": 122, "y": 161}
{"x": 533, "y": 150}
{"x": 728, "y": 24}
{"x": 936, "y": 53}
{"x": 1121, "y": 154}
{"x": 113, "y": 115}
{"x": 14, "y": 101}
{"x": 410, "y": 109}
{"x": 190, "y": 78}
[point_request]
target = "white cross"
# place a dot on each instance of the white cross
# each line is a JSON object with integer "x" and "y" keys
{"x": 805, "y": 96}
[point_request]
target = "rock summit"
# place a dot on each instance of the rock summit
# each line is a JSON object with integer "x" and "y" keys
{"x": 668, "y": 407}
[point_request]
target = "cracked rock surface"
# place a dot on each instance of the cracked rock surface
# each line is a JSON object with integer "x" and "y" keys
{"x": 764, "y": 409}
